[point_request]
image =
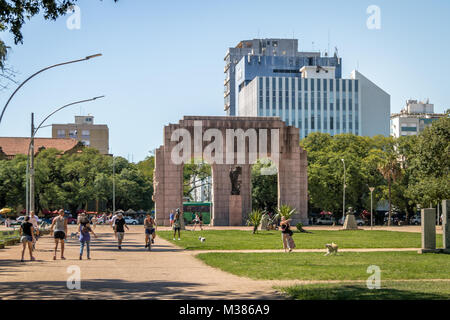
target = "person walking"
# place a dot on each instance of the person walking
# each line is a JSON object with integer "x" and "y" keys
{"x": 113, "y": 223}
{"x": 85, "y": 238}
{"x": 94, "y": 221}
{"x": 149, "y": 226}
{"x": 27, "y": 237}
{"x": 286, "y": 234}
{"x": 34, "y": 222}
{"x": 119, "y": 225}
{"x": 171, "y": 216}
{"x": 59, "y": 223}
{"x": 198, "y": 222}
{"x": 176, "y": 225}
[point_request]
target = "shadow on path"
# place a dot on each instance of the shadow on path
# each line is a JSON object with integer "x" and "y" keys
{"x": 117, "y": 289}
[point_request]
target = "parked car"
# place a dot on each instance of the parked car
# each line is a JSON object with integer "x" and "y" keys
{"x": 15, "y": 222}
{"x": 129, "y": 220}
{"x": 359, "y": 221}
{"x": 47, "y": 220}
{"x": 71, "y": 220}
{"x": 417, "y": 220}
{"x": 325, "y": 220}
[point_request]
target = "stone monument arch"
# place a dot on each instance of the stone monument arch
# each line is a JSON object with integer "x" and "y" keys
{"x": 230, "y": 145}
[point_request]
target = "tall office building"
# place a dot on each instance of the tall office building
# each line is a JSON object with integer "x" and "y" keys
{"x": 84, "y": 130}
{"x": 275, "y": 57}
{"x": 316, "y": 100}
{"x": 413, "y": 118}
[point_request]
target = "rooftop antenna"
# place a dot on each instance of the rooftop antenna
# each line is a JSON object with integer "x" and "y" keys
{"x": 328, "y": 50}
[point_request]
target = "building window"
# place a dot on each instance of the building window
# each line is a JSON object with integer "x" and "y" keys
{"x": 85, "y": 134}
{"x": 286, "y": 97}
{"x": 87, "y": 143}
{"x": 61, "y": 133}
{"x": 306, "y": 111}
{"x": 267, "y": 97}
{"x": 73, "y": 134}
{"x": 274, "y": 97}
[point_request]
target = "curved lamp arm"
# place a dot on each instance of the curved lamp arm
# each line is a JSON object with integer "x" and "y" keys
{"x": 42, "y": 70}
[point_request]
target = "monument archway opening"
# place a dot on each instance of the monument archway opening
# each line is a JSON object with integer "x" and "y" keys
{"x": 231, "y": 145}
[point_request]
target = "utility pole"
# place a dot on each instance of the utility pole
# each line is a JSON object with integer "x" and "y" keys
{"x": 371, "y": 207}
{"x": 343, "y": 200}
{"x": 32, "y": 165}
{"x": 114, "y": 187}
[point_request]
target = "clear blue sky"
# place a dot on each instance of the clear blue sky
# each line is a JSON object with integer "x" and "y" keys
{"x": 164, "y": 59}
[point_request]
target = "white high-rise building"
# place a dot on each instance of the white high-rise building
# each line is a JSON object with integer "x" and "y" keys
{"x": 413, "y": 118}
{"x": 319, "y": 102}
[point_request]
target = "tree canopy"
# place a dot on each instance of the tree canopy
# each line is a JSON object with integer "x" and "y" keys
{"x": 75, "y": 180}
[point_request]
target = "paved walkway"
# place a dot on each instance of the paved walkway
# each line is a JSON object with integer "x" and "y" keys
{"x": 133, "y": 273}
{"x": 167, "y": 272}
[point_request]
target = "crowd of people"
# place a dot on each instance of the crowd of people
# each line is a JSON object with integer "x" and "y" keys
{"x": 29, "y": 231}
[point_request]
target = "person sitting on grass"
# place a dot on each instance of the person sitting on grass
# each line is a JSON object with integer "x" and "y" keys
{"x": 27, "y": 237}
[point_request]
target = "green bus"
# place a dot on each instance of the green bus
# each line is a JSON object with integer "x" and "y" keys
{"x": 202, "y": 208}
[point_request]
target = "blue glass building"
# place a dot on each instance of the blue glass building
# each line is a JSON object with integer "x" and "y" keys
{"x": 267, "y": 57}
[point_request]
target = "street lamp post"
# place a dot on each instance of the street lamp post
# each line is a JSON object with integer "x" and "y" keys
{"x": 114, "y": 187}
{"x": 371, "y": 207}
{"x": 29, "y": 198}
{"x": 42, "y": 70}
{"x": 343, "y": 191}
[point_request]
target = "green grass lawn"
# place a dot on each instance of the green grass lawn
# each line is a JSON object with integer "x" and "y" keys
{"x": 240, "y": 239}
{"x": 390, "y": 290}
{"x": 345, "y": 266}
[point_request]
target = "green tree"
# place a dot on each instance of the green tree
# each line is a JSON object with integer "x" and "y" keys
{"x": 193, "y": 173}
{"x": 12, "y": 181}
{"x": 264, "y": 187}
{"x": 390, "y": 169}
{"x": 431, "y": 165}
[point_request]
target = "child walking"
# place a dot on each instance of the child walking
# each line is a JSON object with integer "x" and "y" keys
{"x": 85, "y": 239}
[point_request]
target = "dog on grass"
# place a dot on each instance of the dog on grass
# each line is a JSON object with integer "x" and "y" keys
{"x": 201, "y": 239}
{"x": 332, "y": 248}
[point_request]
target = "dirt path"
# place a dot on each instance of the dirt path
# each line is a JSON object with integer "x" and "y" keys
{"x": 133, "y": 273}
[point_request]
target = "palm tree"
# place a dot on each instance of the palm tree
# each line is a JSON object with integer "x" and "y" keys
{"x": 390, "y": 169}
{"x": 254, "y": 219}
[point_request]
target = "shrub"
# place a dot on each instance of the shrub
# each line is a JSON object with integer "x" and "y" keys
{"x": 254, "y": 219}
{"x": 285, "y": 211}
